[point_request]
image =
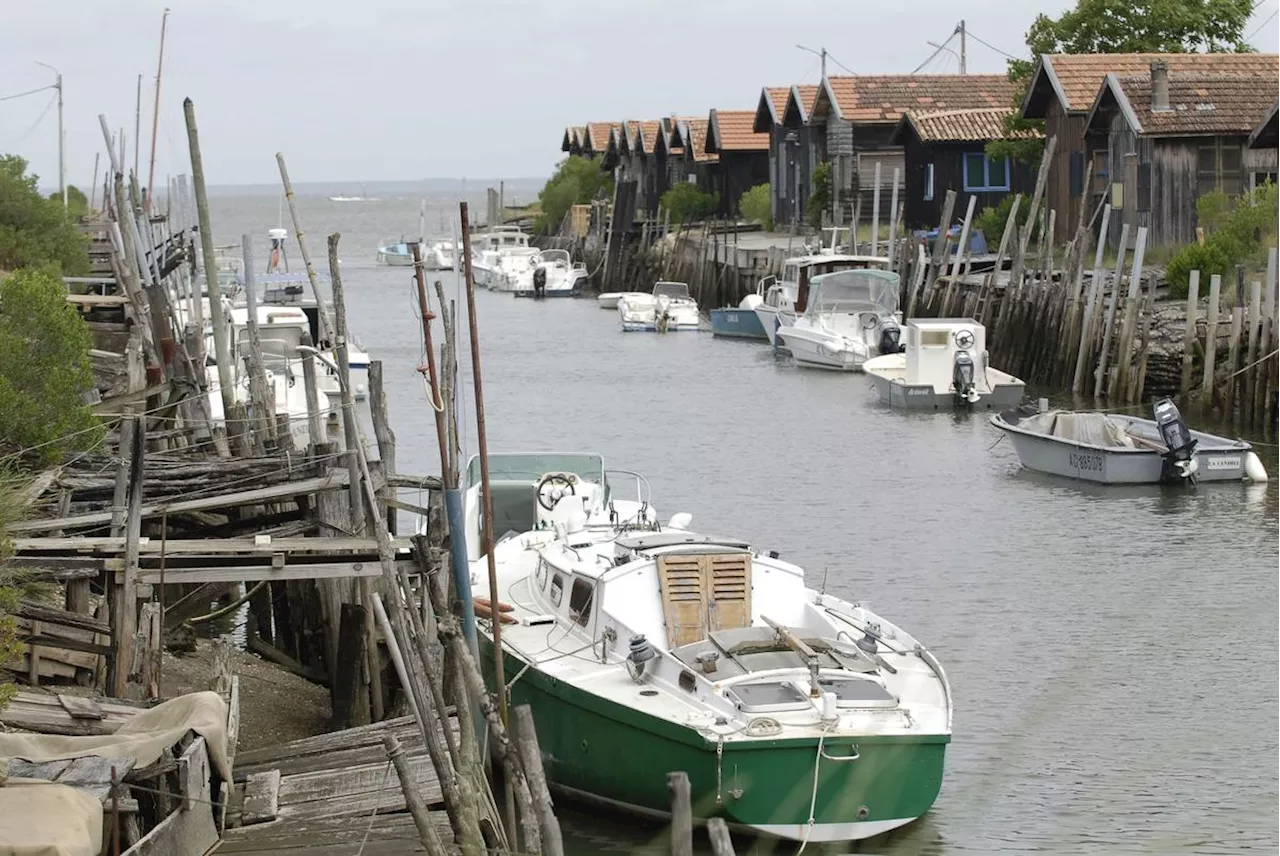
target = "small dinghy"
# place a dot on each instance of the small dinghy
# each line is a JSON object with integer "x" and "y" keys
{"x": 1113, "y": 448}
{"x": 740, "y": 322}
{"x": 943, "y": 364}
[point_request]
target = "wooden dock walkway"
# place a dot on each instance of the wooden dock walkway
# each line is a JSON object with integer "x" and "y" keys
{"x": 327, "y": 794}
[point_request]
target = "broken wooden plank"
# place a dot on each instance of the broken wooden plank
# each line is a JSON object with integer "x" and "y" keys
{"x": 333, "y": 480}
{"x": 98, "y": 299}
{"x": 190, "y": 829}
{"x": 261, "y": 798}
{"x": 48, "y": 615}
{"x": 354, "y": 791}
{"x": 257, "y": 573}
{"x": 81, "y": 708}
{"x": 25, "y": 547}
{"x": 333, "y": 836}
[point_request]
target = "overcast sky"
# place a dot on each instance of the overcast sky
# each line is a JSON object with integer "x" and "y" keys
{"x": 405, "y": 90}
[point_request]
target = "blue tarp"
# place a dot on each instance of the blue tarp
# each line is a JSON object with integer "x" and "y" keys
{"x": 977, "y": 240}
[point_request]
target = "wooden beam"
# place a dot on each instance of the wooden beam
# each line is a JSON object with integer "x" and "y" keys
{"x": 333, "y": 480}
{"x": 256, "y": 573}
{"x": 26, "y": 547}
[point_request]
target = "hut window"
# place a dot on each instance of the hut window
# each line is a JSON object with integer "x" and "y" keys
{"x": 928, "y": 182}
{"x": 1076, "y": 174}
{"x": 580, "y": 601}
{"x": 982, "y": 173}
{"x": 1101, "y": 171}
{"x": 1218, "y": 168}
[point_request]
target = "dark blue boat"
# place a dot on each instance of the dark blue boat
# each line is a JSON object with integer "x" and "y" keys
{"x": 737, "y": 323}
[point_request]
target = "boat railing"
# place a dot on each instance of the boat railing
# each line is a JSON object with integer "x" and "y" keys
{"x": 763, "y": 285}
{"x": 644, "y": 493}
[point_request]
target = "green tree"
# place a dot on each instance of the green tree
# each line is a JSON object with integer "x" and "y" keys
{"x": 820, "y": 198}
{"x": 757, "y": 205}
{"x": 577, "y": 180}
{"x": 35, "y": 230}
{"x": 44, "y": 370}
{"x": 686, "y": 203}
{"x": 77, "y": 202}
{"x": 992, "y": 220}
{"x": 1120, "y": 26}
{"x": 11, "y": 647}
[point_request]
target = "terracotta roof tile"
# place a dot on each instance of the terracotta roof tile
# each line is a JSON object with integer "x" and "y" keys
{"x": 597, "y": 136}
{"x": 884, "y": 98}
{"x": 1211, "y": 104}
{"x": 648, "y": 135}
{"x": 778, "y": 96}
{"x": 694, "y": 134}
{"x": 1079, "y": 76}
{"x": 804, "y": 95}
{"x": 963, "y": 126}
{"x": 734, "y": 132}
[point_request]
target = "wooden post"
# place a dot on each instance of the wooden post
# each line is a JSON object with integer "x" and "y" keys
{"x": 1120, "y": 382}
{"x": 988, "y": 283}
{"x": 961, "y": 251}
{"x": 326, "y": 334}
{"x": 1042, "y": 177}
{"x": 1149, "y": 306}
{"x": 718, "y": 832}
{"x": 348, "y": 685}
{"x": 260, "y": 393}
{"x": 917, "y": 280}
{"x": 1088, "y": 328}
{"x": 1189, "y": 332}
{"x": 124, "y": 588}
{"x": 894, "y": 218}
{"x": 1251, "y": 356}
{"x": 681, "y": 814}
{"x": 1233, "y": 352}
{"x": 382, "y": 432}
{"x": 220, "y": 649}
{"x": 315, "y": 421}
{"x": 427, "y": 833}
{"x": 1211, "y": 339}
{"x": 940, "y": 242}
{"x": 222, "y": 347}
{"x": 531, "y": 759}
{"x": 1100, "y": 373}
{"x": 875, "y": 211}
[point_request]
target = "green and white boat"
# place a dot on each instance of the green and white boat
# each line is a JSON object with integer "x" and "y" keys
{"x": 644, "y": 648}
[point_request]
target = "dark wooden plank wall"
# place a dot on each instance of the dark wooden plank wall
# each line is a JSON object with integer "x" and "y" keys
{"x": 741, "y": 171}
{"x": 1069, "y": 129}
{"x": 948, "y": 174}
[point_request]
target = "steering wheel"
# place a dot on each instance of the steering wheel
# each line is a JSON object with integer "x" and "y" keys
{"x": 552, "y": 489}
{"x": 870, "y": 320}
{"x": 964, "y": 339}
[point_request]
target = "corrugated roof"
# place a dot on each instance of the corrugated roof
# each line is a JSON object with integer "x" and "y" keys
{"x": 1076, "y": 78}
{"x": 733, "y": 131}
{"x": 885, "y": 98}
{"x": 1199, "y": 104}
{"x": 963, "y": 126}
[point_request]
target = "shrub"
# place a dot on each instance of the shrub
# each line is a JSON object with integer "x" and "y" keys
{"x": 576, "y": 181}
{"x": 757, "y": 204}
{"x": 820, "y": 196}
{"x": 686, "y": 202}
{"x": 1236, "y": 232}
{"x": 44, "y": 370}
{"x": 992, "y": 220}
{"x": 35, "y": 230}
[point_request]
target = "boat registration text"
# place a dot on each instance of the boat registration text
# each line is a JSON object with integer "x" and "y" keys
{"x": 1087, "y": 461}
{"x": 1222, "y": 463}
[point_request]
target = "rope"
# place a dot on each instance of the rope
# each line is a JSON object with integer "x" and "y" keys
{"x": 813, "y": 798}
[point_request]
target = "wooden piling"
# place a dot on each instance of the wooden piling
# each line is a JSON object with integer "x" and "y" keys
{"x": 326, "y": 334}
{"x": 1189, "y": 331}
{"x": 1251, "y": 356}
{"x": 1119, "y": 388}
{"x": 383, "y": 434}
{"x": 988, "y": 283}
{"x": 681, "y": 814}
{"x": 531, "y": 758}
{"x": 1234, "y": 349}
{"x": 1100, "y": 373}
{"x": 940, "y": 242}
{"x": 260, "y": 392}
{"x": 1024, "y": 242}
{"x": 1207, "y": 383}
{"x": 718, "y": 832}
{"x": 875, "y": 211}
{"x": 427, "y": 833}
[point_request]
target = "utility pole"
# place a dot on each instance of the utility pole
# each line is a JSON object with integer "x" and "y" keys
{"x": 964, "y": 52}
{"x": 822, "y": 54}
{"x": 62, "y": 159}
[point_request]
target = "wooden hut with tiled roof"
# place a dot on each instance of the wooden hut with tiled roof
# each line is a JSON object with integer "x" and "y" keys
{"x": 1062, "y": 91}
{"x": 743, "y": 153}
{"x": 690, "y": 160}
{"x": 572, "y": 142}
{"x": 858, "y": 116}
{"x": 791, "y": 149}
{"x": 945, "y": 150}
{"x": 1171, "y": 137}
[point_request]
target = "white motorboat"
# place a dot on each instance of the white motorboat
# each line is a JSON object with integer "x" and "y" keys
{"x": 851, "y": 316}
{"x": 293, "y": 289}
{"x": 667, "y": 309}
{"x": 658, "y": 649}
{"x": 783, "y": 298}
{"x": 565, "y": 278}
{"x": 944, "y": 365}
{"x": 499, "y": 253}
{"x": 441, "y": 256}
{"x": 609, "y": 299}
{"x": 280, "y": 332}
{"x": 1116, "y": 448}
{"x": 400, "y": 254}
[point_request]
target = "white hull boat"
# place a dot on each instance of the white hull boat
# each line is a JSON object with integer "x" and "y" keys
{"x": 702, "y": 654}
{"x": 783, "y": 299}
{"x": 396, "y": 255}
{"x": 851, "y": 316}
{"x": 564, "y": 277}
{"x": 1113, "y": 448}
{"x": 667, "y": 309}
{"x": 944, "y": 365}
{"x": 609, "y": 299}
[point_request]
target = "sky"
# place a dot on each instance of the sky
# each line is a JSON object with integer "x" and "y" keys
{"x": 404, "y": 90}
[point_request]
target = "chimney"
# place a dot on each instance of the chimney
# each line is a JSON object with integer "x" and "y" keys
{"x": 1159, "y": 86}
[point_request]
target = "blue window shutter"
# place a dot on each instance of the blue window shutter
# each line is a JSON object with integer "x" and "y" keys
{"x": 1077, "y": 174}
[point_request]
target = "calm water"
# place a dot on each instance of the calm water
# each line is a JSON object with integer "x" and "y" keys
{"x": 1113, "y": 652}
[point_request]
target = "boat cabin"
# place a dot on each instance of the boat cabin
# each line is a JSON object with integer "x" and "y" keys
{"x": 868, "y": 292}
{"x": 932, "y": 346}
{"x": 292, "y": 289}
{"x": 502, "y": 238}
{"x": 798, "y": 272}
{"x": 672, "y": 290}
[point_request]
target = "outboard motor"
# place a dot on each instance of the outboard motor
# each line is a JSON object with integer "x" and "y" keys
{"x": 890, "y": 337}
{"x": 1178, "y": 463}
{"x": 962, "y": 378}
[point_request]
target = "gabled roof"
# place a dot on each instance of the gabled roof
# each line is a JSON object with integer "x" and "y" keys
{"x": 1199, "y": 104}
{"x": 596, "y": 139}
{"x": 1264, "y": 136}
{"x": 1074, "y": 79}
{"x": 799, "y": 105}
{"x": 733, "y": 131}
{"x": 770, "y": 107}
{"x": 647, "y": 135}
{"x": 692, "y": 133}
{"x": 875, "y": 99}
{"x": 958, "y": 126}
{"x": 627, "y": 136}
{"x": 671, "y": 138}
{"x": 572, "y": 142}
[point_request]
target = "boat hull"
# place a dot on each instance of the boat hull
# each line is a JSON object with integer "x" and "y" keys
{"x": 395, "y": 259}
{"x": 604, "y": 752}
{"x": 737, "y": 323}
{"x": 1101, "y": 465}
{"x": 816, "y": 353}
{"x": 898, "y": 393}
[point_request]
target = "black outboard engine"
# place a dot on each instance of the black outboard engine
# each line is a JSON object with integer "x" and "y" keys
{"x": 890, "y": 337}
{"x": 1178, "y": 464}
{"x": 962, "y": 377}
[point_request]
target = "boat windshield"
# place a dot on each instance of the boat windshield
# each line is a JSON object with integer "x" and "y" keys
{"x": 671, "y": 289}
{"x": 555, "y": 257}
{"x": 851, "y": 291}
{"x": 532, "y": 466}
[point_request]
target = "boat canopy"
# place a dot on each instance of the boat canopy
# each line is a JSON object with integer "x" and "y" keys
{"x": 555, "y": 257}
{"x": 671, "y": 289}
{"x": 851, "y": 291}
{"x": 1089, "y": 428}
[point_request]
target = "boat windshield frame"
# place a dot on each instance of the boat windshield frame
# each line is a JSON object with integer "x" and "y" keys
{"x": 677, "y": 290}
{"x": 854, "y": 291}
